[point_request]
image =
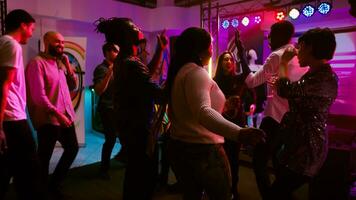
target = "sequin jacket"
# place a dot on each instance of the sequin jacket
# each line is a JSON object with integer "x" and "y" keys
{"x": 304, "y": 138}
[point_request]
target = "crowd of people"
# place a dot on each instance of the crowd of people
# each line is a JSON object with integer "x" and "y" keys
{"x": 207, "y": 116}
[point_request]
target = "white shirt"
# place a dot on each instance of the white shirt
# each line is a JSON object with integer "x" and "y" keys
{"x": 11, "y": 56}
{"x": 197, "y": 102}
{"x": 276, "y": 106}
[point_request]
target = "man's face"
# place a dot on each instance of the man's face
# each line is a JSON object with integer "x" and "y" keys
{"x": 26, "y": 32}
{"x": 112, "y": 54}
{"x": 55, "y": 45}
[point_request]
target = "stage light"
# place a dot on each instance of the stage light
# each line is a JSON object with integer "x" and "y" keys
{"x": 234, "y": 23}
{"x": 308, "y": 10}
{"x": 294, "y": 13}
{"x": 324, "y": 8}
{"x": 225, "y": 24}
{"x": 245, "y": 21}
{"x": 280, "y": 15}
{"x": 258, "y": 19}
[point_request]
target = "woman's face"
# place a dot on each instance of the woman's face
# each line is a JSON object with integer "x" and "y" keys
{"x": 228, "y": 63}
{"x": 304, "y": 54}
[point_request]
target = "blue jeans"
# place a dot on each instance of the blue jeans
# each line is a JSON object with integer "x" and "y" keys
{"x": 201, "y": 168}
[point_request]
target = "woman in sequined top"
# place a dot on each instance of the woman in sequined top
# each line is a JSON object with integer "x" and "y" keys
{"x": 305, "y": 142}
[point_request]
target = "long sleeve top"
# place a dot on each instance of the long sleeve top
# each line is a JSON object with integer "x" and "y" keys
{"x": 48, "y": 89}
{"x": 134, "y": 93}
{"x": 276, "y": 106}
{"x": 303, "y": 127}
{"x": 196, "y": 106}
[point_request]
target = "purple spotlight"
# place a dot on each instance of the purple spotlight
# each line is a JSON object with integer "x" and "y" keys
{"x": 258, "y": 19}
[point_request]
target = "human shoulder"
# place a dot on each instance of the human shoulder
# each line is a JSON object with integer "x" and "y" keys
{"x": 8, "y": 42}
{"x": 102, "y": 67}
{"x": 196, "y": 73}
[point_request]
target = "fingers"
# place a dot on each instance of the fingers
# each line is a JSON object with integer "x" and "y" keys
{"x": 163, "y": 32}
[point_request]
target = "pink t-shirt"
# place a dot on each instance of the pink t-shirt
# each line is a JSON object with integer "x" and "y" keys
{"x": 11, "y": 56}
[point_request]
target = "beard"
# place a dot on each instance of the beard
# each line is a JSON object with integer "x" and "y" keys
{"x": 54, "y": 51}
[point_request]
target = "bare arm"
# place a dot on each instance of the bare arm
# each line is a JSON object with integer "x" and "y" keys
{"x": 7, "y": 75}
{"x": 162, "y": 43}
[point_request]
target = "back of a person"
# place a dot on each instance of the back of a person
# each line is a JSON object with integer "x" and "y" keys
{"x": 133, "y": 99}
{"x": 184, "y": 126}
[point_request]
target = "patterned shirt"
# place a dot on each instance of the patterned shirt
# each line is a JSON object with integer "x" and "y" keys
{"x": 305, "y": 143}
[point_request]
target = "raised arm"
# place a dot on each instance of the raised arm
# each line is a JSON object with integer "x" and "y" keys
{"x": 71, "y": 77}
{"x": 162, "y": 43}
{"x": 241, "y": 54}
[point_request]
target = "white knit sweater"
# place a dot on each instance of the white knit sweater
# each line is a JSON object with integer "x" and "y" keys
{"x": 197, "y": 102}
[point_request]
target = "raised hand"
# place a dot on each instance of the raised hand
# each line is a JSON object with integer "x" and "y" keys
{"x": 239, "y": 45}
{"x": 162, "y": 40}
{"x": 288, "y": 54}
{"x": 251, "y": 136}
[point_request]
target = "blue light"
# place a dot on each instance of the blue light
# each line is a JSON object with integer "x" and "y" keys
{"x": 308, "y": 10}
{"x": 324, "y": 8}
{"x": 226, "y": 24}
{"x": 234, "y": 23}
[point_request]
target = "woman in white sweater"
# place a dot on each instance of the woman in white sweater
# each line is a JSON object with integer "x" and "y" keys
{"x": 198, "y": 128}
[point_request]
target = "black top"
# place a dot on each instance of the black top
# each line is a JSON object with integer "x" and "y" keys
{"x": 105, "y": 99}
{"x": 135, "y": 93}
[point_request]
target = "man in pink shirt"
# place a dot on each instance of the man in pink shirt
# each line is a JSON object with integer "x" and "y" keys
{"x": 49, "y": 78}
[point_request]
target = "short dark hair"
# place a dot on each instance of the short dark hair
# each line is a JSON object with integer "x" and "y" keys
{"x": 108, "y": 47}
{"x": 282, "y": 32}
{"x": 322, "y": 42}
{"x": 14, "y": 19}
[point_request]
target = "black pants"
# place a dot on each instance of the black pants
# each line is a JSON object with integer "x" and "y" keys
{"x": 141, "y": 173}
{"x": 285, "y": 184}
{"x": 264, "y": 152}
{"x": 110, "y": 132}
{"x": 48, "y": 135}
{"x": 232, "y": 150}
{"x": 201, "y": 168}
{"x": 21, "y": 162}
